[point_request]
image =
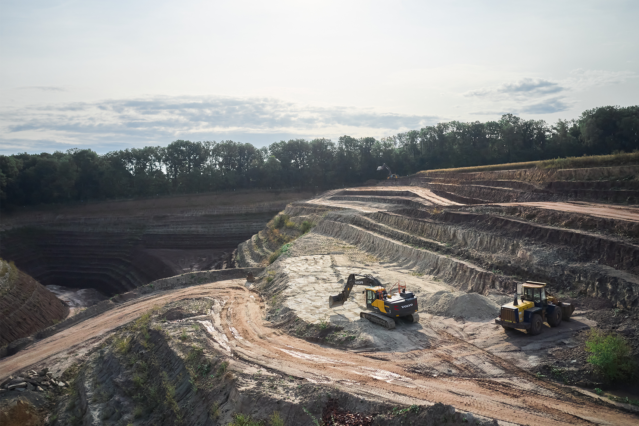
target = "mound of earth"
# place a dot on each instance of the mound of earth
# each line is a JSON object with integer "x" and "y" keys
{"x": 26, "y": 306}
{"x": 466, "y": 305}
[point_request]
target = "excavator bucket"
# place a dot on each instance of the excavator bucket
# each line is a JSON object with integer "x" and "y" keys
{"x": 337, "y": 300}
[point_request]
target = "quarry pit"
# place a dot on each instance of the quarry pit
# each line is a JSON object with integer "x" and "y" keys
{"x": 460, "y": 242}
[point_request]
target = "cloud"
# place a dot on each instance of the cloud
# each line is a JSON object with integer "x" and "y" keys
{"x": 583, "y": 79}
{"x": 547, "y": 106}
{"x": 163, "y": 119}
{"x": 524, "y": 88}
{"x": 44, "y": 88}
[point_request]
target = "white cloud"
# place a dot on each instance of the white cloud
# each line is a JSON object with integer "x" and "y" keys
{"x": 524, "y": 88}
{"x": 162, "y": 119}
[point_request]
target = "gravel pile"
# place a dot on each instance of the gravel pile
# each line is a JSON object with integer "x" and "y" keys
{"x": 466, "y": 305}
{"x": 34, "y": 381}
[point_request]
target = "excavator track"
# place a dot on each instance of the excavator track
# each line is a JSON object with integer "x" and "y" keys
{"x": 386, "y": 322}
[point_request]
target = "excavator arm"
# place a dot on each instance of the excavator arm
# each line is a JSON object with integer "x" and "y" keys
{"x": 384, "y": 166}
{"x": 353, "y": 280}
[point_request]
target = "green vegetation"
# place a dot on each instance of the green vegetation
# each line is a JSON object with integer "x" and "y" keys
{"x": 276, "y": 254}
{"x": 612, "y": 355}
{"x": 276, "y": 419}
{"x": 617, "y": 159}
{"x": 244, "y": 420}
{"x": 306, "y": 226}
{"x": 222, "y": 369}
{"x": 170, "y": 396}
{"x": 196, "y": 167}
{"x": 313, "y": 419}
{"x": 123, "y": 345}
{"x": 214, "y": 410}
{"x": 403, "y": 411}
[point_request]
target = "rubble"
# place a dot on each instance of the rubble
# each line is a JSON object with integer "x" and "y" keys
{"x": 33, "y": 381}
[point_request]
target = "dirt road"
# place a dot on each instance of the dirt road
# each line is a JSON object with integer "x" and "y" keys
{"x": 599, "y": 210}
{"x": 504, "y": 392}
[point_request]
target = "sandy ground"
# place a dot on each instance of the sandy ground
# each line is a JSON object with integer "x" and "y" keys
{"x": 446, "y": 369}
{"x": 369, "y": 207}
{"x": 592, "y": 209}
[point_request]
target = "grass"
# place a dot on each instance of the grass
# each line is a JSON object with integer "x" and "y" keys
{"x": 222, "y": 369}
{"x": 557, "y": 163}
{"x": 170, "y": 396}
{"x": 306, "y": 226}
{"x": 276, "y": 254}
{"x": 243, "y": 420}
{"x": 611, "y": 355}
{"x": 276, "y": 419}
{"x": 314, "y": 420}
{"x": 214, "y": 410}
{"x": 123, "y": 345}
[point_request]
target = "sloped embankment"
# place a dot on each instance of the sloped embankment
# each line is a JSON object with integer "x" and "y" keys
{"x": 26, "y": 306}
{"x": 115, "y": 255}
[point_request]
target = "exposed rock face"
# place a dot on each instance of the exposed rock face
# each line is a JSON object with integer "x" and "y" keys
{"x": 115, "y": 255}
{"x": 26, "y": 306}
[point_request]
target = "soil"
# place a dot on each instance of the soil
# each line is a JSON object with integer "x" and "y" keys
{"x": 213, "y": 351}
{"x": 473, "y": 378}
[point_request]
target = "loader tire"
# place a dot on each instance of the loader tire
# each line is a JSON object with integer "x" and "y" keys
{"x": 554, "y": 319}
{"x": 536, "y": 325}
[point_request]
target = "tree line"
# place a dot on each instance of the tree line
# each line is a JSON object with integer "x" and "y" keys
{"x": 190, "y": 167}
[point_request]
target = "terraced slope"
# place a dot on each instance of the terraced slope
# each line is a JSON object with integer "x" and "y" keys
{"x": 479, "y": 247}
{"x": 117, "y": 246}
{"x": 25, "y": 305}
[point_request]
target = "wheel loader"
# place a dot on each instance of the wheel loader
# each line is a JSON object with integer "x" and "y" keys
{"x": 383, "y": 306}
{"x": 533, "y": 308}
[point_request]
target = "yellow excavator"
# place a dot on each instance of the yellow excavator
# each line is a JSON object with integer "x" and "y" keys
{"x": 391, "y": 175}
{"x": 383, "y": 306}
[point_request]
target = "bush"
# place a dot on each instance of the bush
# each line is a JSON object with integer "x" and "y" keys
{"x": 290, "y": 224}
{"x": 243, "y": 420}
{"x": 276, "y": 254}
{"x": 280, "y": 221}
{"x": 276, "y": 419}
{"x": 306, "y": 226}
{"x": 611, "y": 354}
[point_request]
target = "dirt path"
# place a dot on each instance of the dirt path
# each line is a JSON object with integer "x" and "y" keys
{"x": 424, "y": 193}
{"x": 599, "y": 210}
{"x": 499, "y": 390}
{"x": 370, "y": 207}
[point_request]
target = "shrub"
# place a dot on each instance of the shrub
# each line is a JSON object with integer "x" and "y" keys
{"x": 243, "y": 420}
{"x": 290, "y": 224}
{"x": 123, "y": 345}
{"x": 280, "y": 221}
{"x": 306, "y": 226}
{"x": 611, "y": 354}
{"x": 276, "y": 254}
{"x": 276, "y": 419}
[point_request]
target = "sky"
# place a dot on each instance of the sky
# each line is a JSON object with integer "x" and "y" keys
{"x": 110, "y": 75}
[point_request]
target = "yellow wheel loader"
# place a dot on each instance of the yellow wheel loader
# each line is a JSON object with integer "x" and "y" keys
{"x": 532, "y": 308}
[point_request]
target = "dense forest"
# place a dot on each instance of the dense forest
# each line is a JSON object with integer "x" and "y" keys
{"x": 188, "y": 167}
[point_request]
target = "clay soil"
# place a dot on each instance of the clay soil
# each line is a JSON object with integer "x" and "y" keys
{"x": 499, "y": 390}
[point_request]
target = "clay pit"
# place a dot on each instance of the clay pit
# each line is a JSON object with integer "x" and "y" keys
{"x": 184, "y": 324}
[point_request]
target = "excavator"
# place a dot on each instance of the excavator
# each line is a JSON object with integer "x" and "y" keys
{"x": 383, "y": 308}
{"x": 391, "y": 175}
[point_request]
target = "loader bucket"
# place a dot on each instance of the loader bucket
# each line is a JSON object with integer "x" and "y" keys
{"x": 566, "y": 311}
